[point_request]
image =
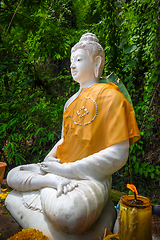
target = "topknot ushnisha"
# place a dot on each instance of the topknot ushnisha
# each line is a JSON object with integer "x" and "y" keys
{"x": 89, "y": 37}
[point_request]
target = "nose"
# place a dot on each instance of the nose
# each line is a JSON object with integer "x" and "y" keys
{"x": 72, "y": 66}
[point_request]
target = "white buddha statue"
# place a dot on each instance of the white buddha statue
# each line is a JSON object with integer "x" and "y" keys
{"x": 67, "y": 195}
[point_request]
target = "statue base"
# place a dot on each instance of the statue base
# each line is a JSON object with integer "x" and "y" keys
{"x": 28, "y": 218}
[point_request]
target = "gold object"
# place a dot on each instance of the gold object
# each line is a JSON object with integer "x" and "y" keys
{"x": 135, "y": 218}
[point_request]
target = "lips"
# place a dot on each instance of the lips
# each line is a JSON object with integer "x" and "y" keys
{"x": 74, "y": 73}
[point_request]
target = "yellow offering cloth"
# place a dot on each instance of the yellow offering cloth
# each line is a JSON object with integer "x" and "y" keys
{"x": 98, "y": 118}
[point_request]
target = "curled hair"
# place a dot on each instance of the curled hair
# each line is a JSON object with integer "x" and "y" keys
{"x": 90, "y": 43}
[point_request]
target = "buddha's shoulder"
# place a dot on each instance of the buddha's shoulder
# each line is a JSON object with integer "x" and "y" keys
{"x": 108, "y": 91}
{"x": 104, "y": 88}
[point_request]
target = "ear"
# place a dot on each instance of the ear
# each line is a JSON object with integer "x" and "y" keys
{"x": 98, "y": 61}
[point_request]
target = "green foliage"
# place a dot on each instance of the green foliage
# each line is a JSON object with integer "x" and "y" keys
{"x": 35, "y": 42}
{"x": 140, "y": 167}
{"x": 34, "y": 38}
{"x": 31, "y": 120}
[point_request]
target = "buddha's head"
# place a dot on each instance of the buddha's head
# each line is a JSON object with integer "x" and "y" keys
{"x": 87, "y": 58}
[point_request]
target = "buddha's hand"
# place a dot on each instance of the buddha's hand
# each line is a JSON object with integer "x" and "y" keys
{"x": 65, "y": 186}
{"x": 34, "y": 167}
{"x": 51, "y": 159}
{"x": 50, "y": 167}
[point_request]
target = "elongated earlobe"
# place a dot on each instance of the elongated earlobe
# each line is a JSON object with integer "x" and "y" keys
{"x": 98, "y": 61}
{"x": 96, "y": 72}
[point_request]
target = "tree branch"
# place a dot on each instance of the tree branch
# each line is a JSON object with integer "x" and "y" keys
{"x": 27, "y": 18}
{"x": 13, "y": 16}
{"x": 3, "y": 29}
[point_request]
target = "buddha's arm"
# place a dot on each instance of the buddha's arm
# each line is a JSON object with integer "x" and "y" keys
{"x": 26, "y": 180}
{"x": 96, "y": 166}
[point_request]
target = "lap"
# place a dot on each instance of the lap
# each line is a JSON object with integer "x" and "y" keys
{"x": 75, "y": 211}
{"x": 34, "y": 219}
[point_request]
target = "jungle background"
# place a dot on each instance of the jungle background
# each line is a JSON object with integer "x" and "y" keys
{"x": 36, "y": 37}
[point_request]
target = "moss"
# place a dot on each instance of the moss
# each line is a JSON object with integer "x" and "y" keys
{"x": 116, "y": 195}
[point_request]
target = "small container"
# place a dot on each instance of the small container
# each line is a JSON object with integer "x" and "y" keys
{"x": 135, "y": 218}
{"x": 2, "y": 170}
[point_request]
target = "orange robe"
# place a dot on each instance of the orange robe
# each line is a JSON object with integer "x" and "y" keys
{"x": 98, "y": 118}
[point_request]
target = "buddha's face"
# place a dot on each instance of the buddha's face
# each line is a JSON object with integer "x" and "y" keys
{"x": 82, "y": 68}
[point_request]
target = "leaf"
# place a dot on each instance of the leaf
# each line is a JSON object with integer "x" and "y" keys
{"x": 125, "y": 58}
{"x": 4, "y": 126}
{"x": 51, "y": 136}
{"x": 30, "y": 136}
{"x": 17, "y": 160}
{"x": 29, "y": 125}
{"x": 121, "y": 46}
{"x": 146, "y": 174}
{"x": 131, "y": 63}
{"x": 125, "y": 67}
{"x": 12, "y": 122}
{"x": 32, "y": 95}
{"x": 136, "y": 170}
{"x": 157, "y": 172}
{"x": 34, "y": 108}
{"x": 21, "y": 156}
{"x": 134, "y": 158}
{"x": 40, "y": 152}
{"x": 119, "y": 22}
{"x": 136, "y": 165}
{"x": 144, "y": 164}
{"x": 6, "y": 147}
{"x": 12, "y": 146}
{"x": 38, "y": 130}
{"x": 34, "y": 149}
{"x": 2, "y": 67}
{"x": 114, "y": 79}
{"x": 128, "y": 49}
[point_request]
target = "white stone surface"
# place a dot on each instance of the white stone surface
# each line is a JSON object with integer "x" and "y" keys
{"x": 34, "y": 219}
{"x": 69, "y": 201}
